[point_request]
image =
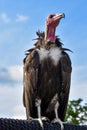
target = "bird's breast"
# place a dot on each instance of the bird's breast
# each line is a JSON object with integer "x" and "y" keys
{"x": 54, "y": 54}
{"x": 49, "y": 74}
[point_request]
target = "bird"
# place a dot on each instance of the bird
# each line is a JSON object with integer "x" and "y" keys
{"x": 47, "y": 71}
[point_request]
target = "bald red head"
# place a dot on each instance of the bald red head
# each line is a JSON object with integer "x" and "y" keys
{"x": 52, "y": 22}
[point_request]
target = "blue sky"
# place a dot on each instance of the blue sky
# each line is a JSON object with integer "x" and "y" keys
{"x": 19, "y": 21}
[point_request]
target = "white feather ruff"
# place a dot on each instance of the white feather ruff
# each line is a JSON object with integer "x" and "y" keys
{"x": 54, "y": 53}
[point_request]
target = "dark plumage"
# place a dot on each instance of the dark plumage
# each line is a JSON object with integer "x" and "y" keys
{"x": 47, "y": 75}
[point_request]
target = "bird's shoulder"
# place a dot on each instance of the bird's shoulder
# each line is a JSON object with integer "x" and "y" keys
{"x": 66, "y": 63}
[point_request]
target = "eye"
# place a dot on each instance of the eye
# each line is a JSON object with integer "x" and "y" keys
{"x": 51, "y": 16}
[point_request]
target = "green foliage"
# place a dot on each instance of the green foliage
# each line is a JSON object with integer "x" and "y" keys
{"x": 76, "y": 112}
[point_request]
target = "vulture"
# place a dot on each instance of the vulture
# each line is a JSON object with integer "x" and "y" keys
{"x": 47, "y": 75}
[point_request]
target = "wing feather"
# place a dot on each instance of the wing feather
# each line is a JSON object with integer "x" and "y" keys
{"x": 65, "y": 87}
{"x": 30, "y": 74}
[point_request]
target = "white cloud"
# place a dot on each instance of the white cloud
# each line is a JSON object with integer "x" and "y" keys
{"x": 11, "y": 90}
{"x": 78, "y": 91}
{"x": 4, "y": 18}
{"x": 11, "y": 102}
{"x": 78, "y": 83}
{"x": 21, "y": 18}
{"x": 16, "y": 72}
{"x": 19, "y": 112}
{"x": 11, "y": 74}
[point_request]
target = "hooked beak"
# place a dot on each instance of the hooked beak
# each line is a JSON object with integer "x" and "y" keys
{"x": 59, "y": 16}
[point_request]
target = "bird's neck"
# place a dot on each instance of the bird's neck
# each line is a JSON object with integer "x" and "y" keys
{"x": 50, "y": 34}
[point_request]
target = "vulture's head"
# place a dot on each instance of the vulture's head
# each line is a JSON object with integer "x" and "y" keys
{"x": 52, "y": 22}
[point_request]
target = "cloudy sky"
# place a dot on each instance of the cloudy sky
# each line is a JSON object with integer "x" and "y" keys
{"x": 19, "y": 20}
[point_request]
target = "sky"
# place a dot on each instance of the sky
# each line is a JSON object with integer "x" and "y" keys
{"x": 19, "y": 21}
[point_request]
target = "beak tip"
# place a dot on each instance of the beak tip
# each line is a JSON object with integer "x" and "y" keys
{"x": 63, "y": 15}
